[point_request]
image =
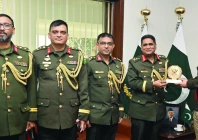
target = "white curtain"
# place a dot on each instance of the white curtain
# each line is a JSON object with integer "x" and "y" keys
{"x": 32, "y": 18}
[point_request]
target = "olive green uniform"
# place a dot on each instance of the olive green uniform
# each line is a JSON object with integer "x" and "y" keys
{"x": 193, "y": 84}
{"x": 147, "y": 102}
{"x": 18, "y": 91}
{"x": 60, "y": 101}
{"x": 105, "y": 102}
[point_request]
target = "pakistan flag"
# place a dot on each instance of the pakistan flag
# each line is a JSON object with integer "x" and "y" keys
{"x": 178, "y": 56}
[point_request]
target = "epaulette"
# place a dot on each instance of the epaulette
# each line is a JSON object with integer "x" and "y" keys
{"x": 40, "y": 48}
{"x": 23, "y": 48}
{"x": 117, "y": 59}
{"x": 76, "y": 49}
{"x": 136, "y": 59}
{"x": 162, "y": 57}
{"x": 92, "y": 58}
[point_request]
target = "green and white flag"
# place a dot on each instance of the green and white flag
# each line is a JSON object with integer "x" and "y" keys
{"x": 178, "y": 56}
{"x": 186, "y": 115}
{"x": 144, "y": 32}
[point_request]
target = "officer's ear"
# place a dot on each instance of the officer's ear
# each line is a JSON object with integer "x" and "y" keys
{"x": 13, "y": 31}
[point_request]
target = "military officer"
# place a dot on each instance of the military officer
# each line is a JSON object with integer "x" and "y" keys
{"x": 105, "y": 76}
{"x": 18, "y": 88}
{"x": 62, "y": 94}
{"x": 146, "y": 77}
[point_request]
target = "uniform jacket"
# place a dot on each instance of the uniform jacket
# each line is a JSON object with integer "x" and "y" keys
{"x": 57, "y": 107}
{"x": 193, "y": 84}
{"x": 147, "y": 102}
{"x": 17, "y": 101}
{"x": 105, "y": 106}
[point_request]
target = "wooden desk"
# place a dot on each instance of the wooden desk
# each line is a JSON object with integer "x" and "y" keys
{"x": 174, "y": 135}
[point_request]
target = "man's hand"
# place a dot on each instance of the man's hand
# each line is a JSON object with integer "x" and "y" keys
{"x": 81, "y": 124}
{"x": 183, "y": 83}
{"x": 88, "y": 124}
{"x": 120, "y": 119}
{"x": 30, "y": 125}
{"x": 159, "y": 84}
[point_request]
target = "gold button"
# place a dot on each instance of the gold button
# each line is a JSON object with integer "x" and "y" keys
{"x": 21, "y": 70}
{"x": 7, "y": 71}
{"x": 111, "y": 96}
{"x": 156, "y": 102}
{"x": 41, "y": 103}
{"x": 99, "y": 77}
{"x": 9, "y": 110}
{"x": 76, "y": 104}
{"x": 8, "y": 97}
{"x": 144, "y": 76}
{"x": 8, "y": 84}
{"x": 111, "y": 106}
{"x": 60, "y": 60}
{"x": 6, "y": 59}
{"x": 153, "y": 66}
{"x": 46, "y": 68}
{"x": 156, "y": 93}
{"x": 61, "y": 94}
{"x": 25, "y": 108}
{"x": 60, "y": 106}
{"x": 138, "y": 101}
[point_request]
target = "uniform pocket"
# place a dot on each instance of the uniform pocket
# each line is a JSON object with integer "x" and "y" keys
{"x": 43, "y": 102}
{"x": 25, "y": 107}
{"x": 46, "y": 71}
{"x": 139, "y": 100}
{"x": 74, "y": 102}
{"x": 96, "y": 106}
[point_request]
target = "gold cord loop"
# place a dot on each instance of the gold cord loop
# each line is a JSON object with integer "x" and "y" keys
{"x": 68, "y": 73}
{"x": 20, "y": 77}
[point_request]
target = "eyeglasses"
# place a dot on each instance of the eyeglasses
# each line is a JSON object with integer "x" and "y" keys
{"x": 6, "y": 25}
{"x": 106, "y": 43}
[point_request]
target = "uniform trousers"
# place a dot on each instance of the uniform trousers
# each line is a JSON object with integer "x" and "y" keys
{"x": 57, "y": 134}
{"x": 101, "y": 132}
{"x": 14, "y": 137}
{"x": 145, "y": 130}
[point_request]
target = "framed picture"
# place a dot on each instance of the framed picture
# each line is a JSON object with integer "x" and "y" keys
{"x": 172, "y": 117}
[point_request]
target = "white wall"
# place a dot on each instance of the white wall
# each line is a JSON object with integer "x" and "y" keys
{"x": 162, "y": 24}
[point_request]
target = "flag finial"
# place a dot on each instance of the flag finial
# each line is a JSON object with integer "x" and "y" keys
{"x": 145, "y": 12}
{"x": 179, "y": 11}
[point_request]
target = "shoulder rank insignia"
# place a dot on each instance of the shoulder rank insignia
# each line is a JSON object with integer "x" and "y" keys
{"x": 40, "y": 48}
{"x": 135, "y": 59}
{"x": 92, "y": 58}
{"x": 117, "y": 59}
{"x": 162, "y": 56}
{"x": 23, "y": 48}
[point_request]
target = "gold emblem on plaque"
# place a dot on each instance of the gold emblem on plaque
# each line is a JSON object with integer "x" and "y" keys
{"x": 174, "y": 72}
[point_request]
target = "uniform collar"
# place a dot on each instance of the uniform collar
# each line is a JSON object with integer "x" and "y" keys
{"x": 99, "y": 58}
{"x": 14, "y": 48}
{"x": 50, "y": 50}
{"x": 156, "y": 56}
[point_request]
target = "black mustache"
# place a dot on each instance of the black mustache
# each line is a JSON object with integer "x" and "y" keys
{"x": 3, "y": 33}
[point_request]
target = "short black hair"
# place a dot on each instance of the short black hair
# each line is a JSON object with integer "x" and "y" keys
{"x": 105, "y": 35}
{"x": 148, "y": 36}
{"x": 4, "y": 15}
{"x": 170, "y": 109}
{"x": 58, "y": 23}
